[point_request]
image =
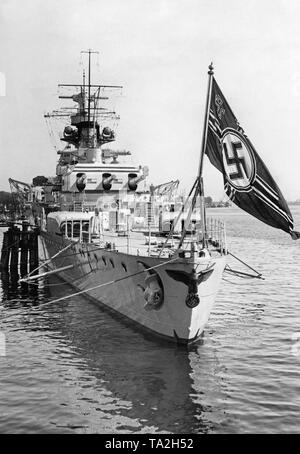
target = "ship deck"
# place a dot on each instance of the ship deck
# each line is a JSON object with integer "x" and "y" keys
{"x": 137, "y": 243}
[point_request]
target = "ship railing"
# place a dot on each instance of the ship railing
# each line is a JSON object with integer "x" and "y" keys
{"x": 216, "y": 234}
{"x": 78, "y": 207}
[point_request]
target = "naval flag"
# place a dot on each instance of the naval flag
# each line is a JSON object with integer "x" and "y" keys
{"x": 247, "y": 181}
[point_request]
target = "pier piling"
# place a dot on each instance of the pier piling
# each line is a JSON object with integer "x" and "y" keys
{"x": 14, "y": 249}
{"x": 19, "y": 250}
{"x": 5, "y": 253}
{"x": 33, "y": 250}
{"x": 24, "y": 249}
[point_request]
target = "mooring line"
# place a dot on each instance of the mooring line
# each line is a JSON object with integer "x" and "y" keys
{"x": 50, "y": 260}
{"x": 233, "y": 283}
{"x": 244, "y": 263}
{"x": 47, "y": 273}
{"x": 242, "y": 274}
{"x": 65, "y": 283}
{"x": 92, "y": 288}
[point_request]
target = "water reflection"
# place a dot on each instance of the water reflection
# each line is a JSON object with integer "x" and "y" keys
{"x": 13, "y": 293}
{"x": 72, "y": 368}
{"x": 153, "y": 377}
{"x": 148, "y": 381}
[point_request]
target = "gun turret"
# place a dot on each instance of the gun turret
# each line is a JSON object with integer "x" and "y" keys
{"x": 107, "y": 179}
{"x": 134, "y": 179}
{"x": 81, "y": 181}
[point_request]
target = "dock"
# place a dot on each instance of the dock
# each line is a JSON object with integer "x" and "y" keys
{"x": 19, "y": 254}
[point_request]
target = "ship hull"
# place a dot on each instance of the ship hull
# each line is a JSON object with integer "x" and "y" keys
{"x": 155, "y": 294}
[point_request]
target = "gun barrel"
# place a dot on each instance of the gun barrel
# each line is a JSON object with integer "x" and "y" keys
{"x": 136, "y": 180}
{"x": 107, "y": 180}
{"x": 111, "y": 153}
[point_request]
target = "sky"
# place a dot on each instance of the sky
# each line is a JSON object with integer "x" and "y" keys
{"x": 159, "y": 50}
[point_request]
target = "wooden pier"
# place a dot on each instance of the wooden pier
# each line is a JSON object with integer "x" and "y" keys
{"x": 19, "y": 252}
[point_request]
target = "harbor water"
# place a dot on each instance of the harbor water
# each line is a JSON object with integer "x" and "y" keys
{"x": 72, "y": 368}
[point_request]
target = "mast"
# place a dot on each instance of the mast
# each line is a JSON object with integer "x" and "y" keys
{"x": 89, "y": 51}
{"x": 96, "y": 99}
{"x": 205, "y": 128}
{"x": 198, "y": 185}
{"x": 86, "y": 118}
{"x": 83, "y": 92}
{"x": 89, "y": 92}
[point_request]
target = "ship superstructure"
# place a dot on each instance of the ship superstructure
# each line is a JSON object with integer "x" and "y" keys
{"x": 90, "y": 173}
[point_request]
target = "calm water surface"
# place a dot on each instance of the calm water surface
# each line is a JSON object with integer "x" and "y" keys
{"x": 72, "y": 368}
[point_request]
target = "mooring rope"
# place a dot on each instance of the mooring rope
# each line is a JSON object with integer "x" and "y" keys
{"x": 50, "y": 260}
{"x": 37, "y": 284}
{"x": 234, "y": 283}
{"x": 241, "y": 274}
{"x": 85, "y": 251}
{"x": 244, "y": 263}
{"x": 114, "y": 281}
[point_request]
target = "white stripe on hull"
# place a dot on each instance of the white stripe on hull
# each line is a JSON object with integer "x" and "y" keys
{"x": 173, "y": 319}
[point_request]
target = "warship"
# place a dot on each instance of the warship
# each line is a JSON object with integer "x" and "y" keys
{"x": 134, "y": 248}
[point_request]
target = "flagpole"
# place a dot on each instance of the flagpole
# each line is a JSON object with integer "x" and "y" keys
{"x": 203, "y": 148}
{"x": 198, "y": 185}
{"x": 206, "y": 119}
